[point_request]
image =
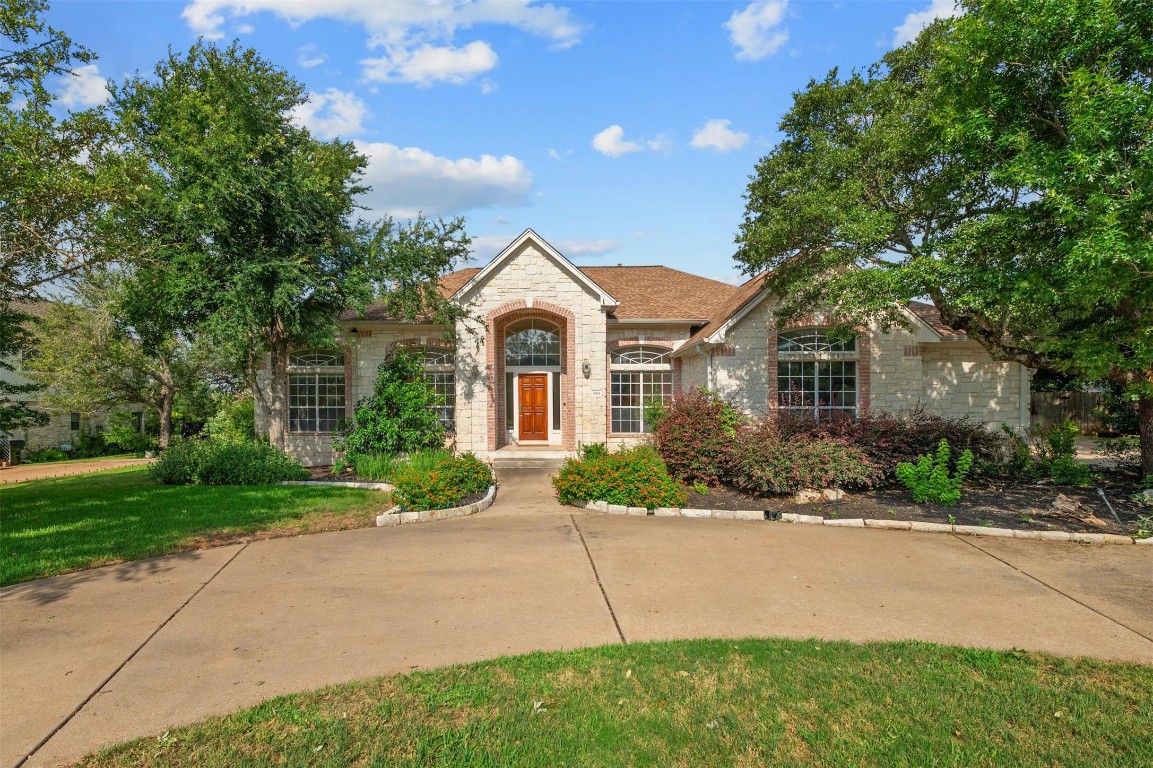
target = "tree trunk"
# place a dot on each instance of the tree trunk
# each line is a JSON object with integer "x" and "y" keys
{"x": 165, "y": 436}
{"x": 1145, "y": 430}
{"x": 164, "y": 409}
{"x": 278, "y": 391}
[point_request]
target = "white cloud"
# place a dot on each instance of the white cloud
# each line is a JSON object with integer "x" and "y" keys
{"x": 332, "y": 113}
{"x": 309, "y": 56}
{"x": 611, "y": 142}
{"x": 660, "y": 143}
{"x": 245, "y": 29}
{"x": 754, "y": 31}
{"x": 85, "y": 87}
{"x": 716, "y": 134}
{"x": 406, "y": 181}
{"x": 430, "y": 64}
{"x": 918, "y": 20}
{"x": 416, "y": 36}
{"x": 486, "y": 247}
{"x": 577, "y": 248}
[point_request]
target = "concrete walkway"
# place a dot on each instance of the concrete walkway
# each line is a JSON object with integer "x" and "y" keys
{"x": 22, "y": 472}
{"x": 109, "y": 654}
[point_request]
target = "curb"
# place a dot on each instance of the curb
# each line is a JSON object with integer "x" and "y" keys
{"x": 339, "y": 484}
{"x": 395, "y": 516}
{"x": 857, "y": 522}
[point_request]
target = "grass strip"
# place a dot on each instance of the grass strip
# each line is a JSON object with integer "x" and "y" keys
{"x": 697, "y": 703}
{"x": 54, "y": 526}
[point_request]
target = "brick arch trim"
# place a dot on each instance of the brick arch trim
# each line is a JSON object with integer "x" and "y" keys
{"x": 635, "y": 342}
{"x": 496, "y": 323}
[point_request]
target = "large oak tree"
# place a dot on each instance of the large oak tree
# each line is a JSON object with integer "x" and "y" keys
{"x": 1002, "y": 165}
{"x": 247, "y": 229}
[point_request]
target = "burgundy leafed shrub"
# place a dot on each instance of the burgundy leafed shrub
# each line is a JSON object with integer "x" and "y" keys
{"x": 889, "y": 439}
{"x": 766, "y": 462}
{"x": 695, "y": 436}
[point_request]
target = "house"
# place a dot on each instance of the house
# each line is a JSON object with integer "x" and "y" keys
{"x": 563, "y": 355}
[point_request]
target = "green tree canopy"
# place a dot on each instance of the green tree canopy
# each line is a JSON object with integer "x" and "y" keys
{"x": 1002, "y": 165}
{"x": 247, "y": 228}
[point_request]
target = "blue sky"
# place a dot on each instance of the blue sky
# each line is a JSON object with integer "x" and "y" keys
{"x": 622, "y": 132}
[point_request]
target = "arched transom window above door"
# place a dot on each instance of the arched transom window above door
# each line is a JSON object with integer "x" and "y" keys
{"x": 532, "y": 343}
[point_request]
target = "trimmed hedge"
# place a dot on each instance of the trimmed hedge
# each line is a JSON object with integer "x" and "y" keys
{"x": 202, "y": 462}
{"x": 634, "y": 477}
{"x": 443, "y": 485}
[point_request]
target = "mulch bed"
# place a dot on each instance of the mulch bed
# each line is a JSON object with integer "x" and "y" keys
{"x": 1019, "y": 504}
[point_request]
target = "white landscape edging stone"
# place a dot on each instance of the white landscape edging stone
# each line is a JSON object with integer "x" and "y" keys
{"x": 395, "y": 516}
{"x": 364, "y": 486}
{"x": 857, "y": 522}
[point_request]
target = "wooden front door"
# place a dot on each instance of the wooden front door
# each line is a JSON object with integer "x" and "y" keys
{"x": 534, "y": 406}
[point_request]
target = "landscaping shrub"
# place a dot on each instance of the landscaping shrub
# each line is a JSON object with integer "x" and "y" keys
{"x": 1056, "y": 449}
{"x": 42, "y": 455}
{"x": 398, "y": 416}
{"x": 234, "y": 423}
{"x": 695, "y": 436}
{"x": 889, "y": 439}
{"x": 203, "y": 462}
{"x": 420, "y": 486}
{"x": 120, "y": 431}
{"x": 764, "y": 462}
{"x": 929, "y": 478}
{"x": 635, "y": 477}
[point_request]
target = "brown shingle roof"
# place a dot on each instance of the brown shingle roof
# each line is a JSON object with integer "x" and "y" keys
{"x": 660, "y": 292}
{"x": 931, "y": 316}
{"x": 648, "y": 293}
{"x": 741, "y": 296}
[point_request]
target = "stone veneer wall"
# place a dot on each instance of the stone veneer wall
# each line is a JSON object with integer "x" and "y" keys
{"x": 961, "y": 379}
{"x": 58, "y": 431}
{"x": 895, "y": 373}
{"x": 529, "y": 282}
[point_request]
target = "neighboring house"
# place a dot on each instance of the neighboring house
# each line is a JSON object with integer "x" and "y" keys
{"x": 565, "y": 355}
{"x": 63, "y": 429}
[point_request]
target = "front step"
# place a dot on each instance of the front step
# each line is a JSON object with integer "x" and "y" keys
{"x": 527, "y": 458}
{"x": 524, "y": 462}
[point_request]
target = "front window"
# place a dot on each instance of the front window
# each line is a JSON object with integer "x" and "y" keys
{"x": 440, "y": 373}
{"x": 315, "y": 391}
{"x": 638, "y": 376}
{"x": 817, "y": 372}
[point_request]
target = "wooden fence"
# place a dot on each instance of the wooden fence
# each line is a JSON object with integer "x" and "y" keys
{"x": 1078, "y": 407}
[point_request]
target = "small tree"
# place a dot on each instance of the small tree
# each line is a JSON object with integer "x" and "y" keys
{"x": 398, "y": 417}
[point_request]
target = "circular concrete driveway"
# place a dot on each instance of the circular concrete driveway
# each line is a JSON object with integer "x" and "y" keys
{"x": 104, "y": 655}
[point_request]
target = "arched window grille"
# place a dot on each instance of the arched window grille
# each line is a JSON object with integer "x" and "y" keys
{"x": 817, "y": 372}
{"x": 638, "y": 376}
{"x": 440, "y": 373}
{"x": 315, "y": 390}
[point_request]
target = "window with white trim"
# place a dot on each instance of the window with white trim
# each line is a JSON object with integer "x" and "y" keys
{"x": 315, "y": 390}
{"x": 637, "y": 376}
{"x": 817, "y": 372}
{"x": 440, "y": 373}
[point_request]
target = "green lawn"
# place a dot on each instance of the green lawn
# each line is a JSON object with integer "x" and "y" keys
{"x": 699, "y": 703}
{"x": 54, "y": 526}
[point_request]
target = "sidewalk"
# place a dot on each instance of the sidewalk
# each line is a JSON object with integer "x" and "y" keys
{"x": 23, "y": 472}
{"x": 135, "y": 648}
